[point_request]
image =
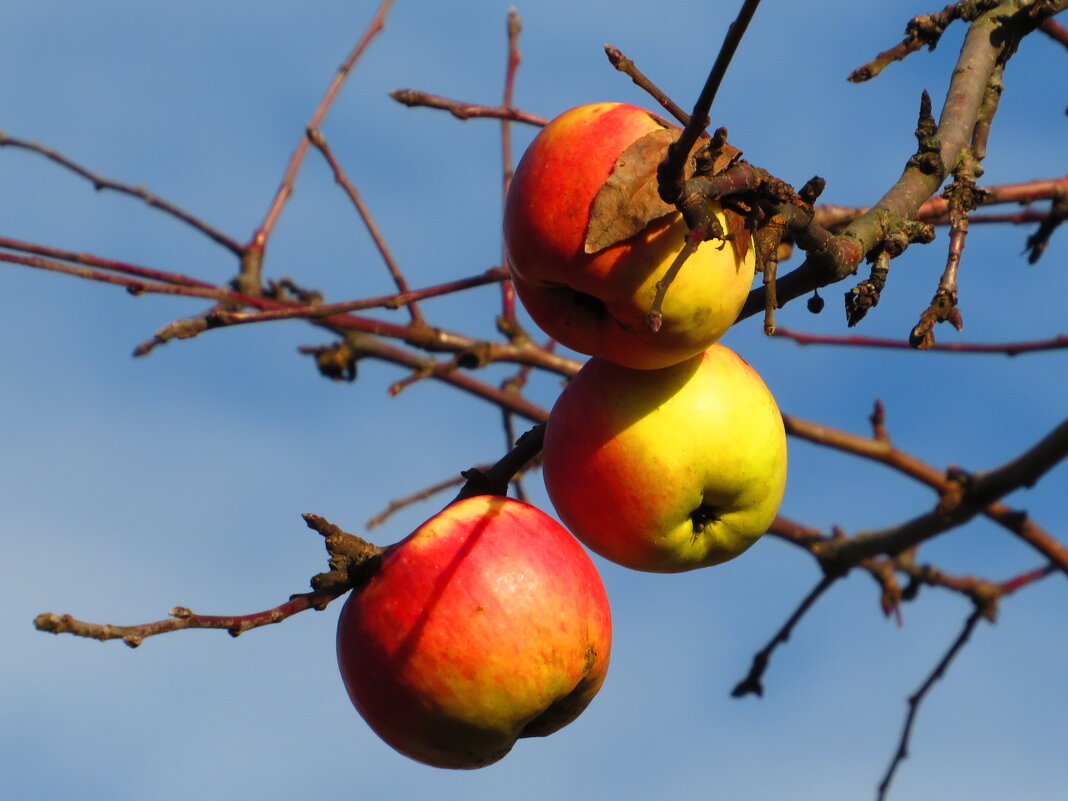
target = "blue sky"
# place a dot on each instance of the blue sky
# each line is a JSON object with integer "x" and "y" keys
{"x": 130, "y": 486}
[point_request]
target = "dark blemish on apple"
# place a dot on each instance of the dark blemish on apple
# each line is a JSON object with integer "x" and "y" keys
{"x": 702, "y": 516}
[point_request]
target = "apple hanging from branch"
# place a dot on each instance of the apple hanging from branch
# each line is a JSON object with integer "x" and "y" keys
{"x": 666, "y": 470}
{"x": 588, "y": 238}
{"x": 487, "y": 624}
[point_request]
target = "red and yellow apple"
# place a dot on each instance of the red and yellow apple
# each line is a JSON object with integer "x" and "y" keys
{"x": 597, "y": 302}
{"x": 666, "y": 470}
{"x": 487, "y": 624}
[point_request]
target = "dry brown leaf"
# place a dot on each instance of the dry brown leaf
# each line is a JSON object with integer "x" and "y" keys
{"x": 630, "y": 199}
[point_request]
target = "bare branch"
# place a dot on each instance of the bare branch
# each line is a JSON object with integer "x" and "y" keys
{"x": 315, "y": 136}
{"x": 465, "y": 111}
{"x": 970, "y": 496}
{"x": 753, "y": 683}
{"x": 318, "y": 311}
{"x": 991, "y": 39}
{"x": 880, "y": 449}
{"x": 1054, "y": 30}
{"x": 628, "y": 67}
{"x": 975, "y": 348}
{"x": 352, "y": 560}
{"x": 917, "y": 698}
{"x": 922, "y": 31}
{"x": 100, "y": 182}
{"x": 670, "y": 172}
{"x": 251, "y": 269}
{"x": 513, "y": 26}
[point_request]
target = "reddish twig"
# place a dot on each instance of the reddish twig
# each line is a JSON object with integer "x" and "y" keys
{"x": 315, "y": 136}
{"x": 880, "y": 449}
{"x": 465, "y": 111}
{"x": 1054, "y": 30}
{"x": 520, "y": 351}
{"x": 88, "y": 259}
{"x": 258, "y": 243}
{"x": 628, "y": 67}
{"x": 313, "y": 312}
{"x": 134, "y": 286}
{"x": 935, "y": 210}
{"x": 1005, "y": 348}
{"x": 513, "y": 26}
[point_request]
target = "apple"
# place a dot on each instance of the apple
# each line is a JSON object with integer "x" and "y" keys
{"x": 487, "y": 624}
{"x": 666, "y": 470}
{"x": 597, "y": 302}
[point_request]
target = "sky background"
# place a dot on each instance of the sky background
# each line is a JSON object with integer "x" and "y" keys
{"x": 128, "y": 486}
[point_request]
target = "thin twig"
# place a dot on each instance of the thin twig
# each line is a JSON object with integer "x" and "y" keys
{"x": 917, "y": 698}
{"x": 513, "y": 26}
{"x": 285, "y": 189}
{"x": 352, "y": 560}
{"x": 101, "y": 182}
{"x": 1054, "y": 30}
{"x": 465, "y": 111}
{"x": 317, "y": 311}
{"x": 935, "y": 210}
{"x": 654, "y": 318}
{"x": 972, "y": 495}
{"x": 881, "y": 450}
{"x": 671, "y": 170}
{"x": 753, "y": 683}
{"x": 182, "y": 618}
{"x": 922, "y": 31}
{"x": 111, "y": 265}
{"x": 975, "y": 348}
{"x": 628, "y": 67}
{"x": 315, "y": 136}
{"x": 134, "y": 286}
{"x": 421, "y": 495}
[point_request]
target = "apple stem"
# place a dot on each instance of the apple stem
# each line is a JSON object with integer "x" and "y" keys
{"x": 656, "y": 313}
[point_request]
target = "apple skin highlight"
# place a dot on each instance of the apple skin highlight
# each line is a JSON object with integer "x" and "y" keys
{"x": 666, "y": 470}
{"x": 596, "y": 303}
{"x": 487, "y": 624}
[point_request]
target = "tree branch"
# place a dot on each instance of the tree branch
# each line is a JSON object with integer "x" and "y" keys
{"x": 352, "y": 561}
{"x": 990, "y": 40}
{"x": 250, "y": 277}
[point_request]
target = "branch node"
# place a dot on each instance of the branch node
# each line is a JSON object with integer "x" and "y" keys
{"x": 353, "y": 560}
{"x": 866, "y": 294}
